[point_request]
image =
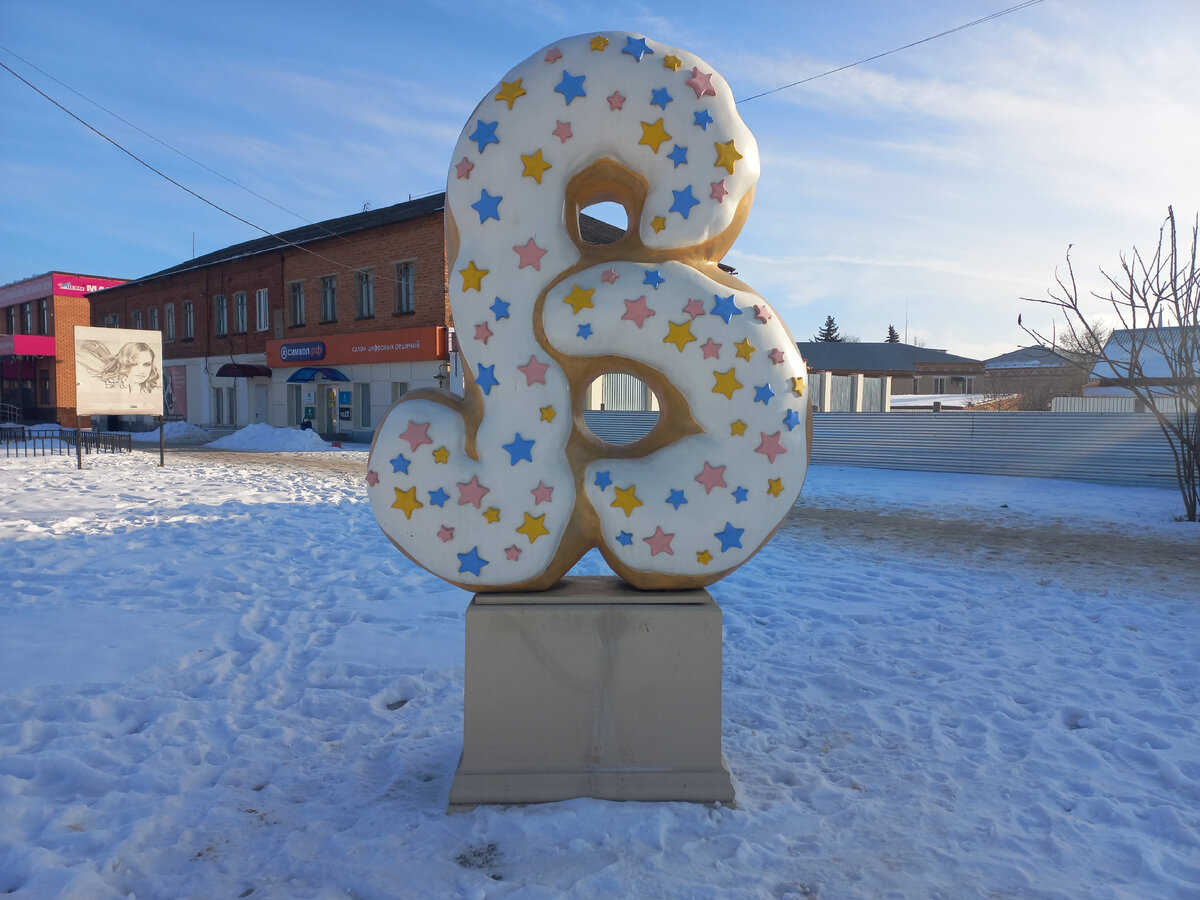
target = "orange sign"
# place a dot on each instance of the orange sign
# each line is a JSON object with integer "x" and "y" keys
{"x": 397, "y": 345}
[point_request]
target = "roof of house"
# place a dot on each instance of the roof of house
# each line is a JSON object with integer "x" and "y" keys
{"x": 1028, "y": 358}
{"x": 1155, "y": 349}
{"x": 847, "y": 356}
{"x": 592, "y": 230}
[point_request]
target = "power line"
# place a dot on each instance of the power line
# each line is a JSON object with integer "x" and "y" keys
{"x": 925, "y": 40}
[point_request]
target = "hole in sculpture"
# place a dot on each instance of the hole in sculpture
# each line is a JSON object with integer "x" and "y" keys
{"x": 621, "y": 408}
{"x": 603, "y": 223}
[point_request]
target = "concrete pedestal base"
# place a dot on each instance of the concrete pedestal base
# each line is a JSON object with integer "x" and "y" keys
{"x": 592, "y": 690}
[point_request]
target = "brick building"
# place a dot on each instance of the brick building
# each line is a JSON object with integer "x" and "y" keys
{"x": 37, "y": 343}
{"x": 329, "y": 322}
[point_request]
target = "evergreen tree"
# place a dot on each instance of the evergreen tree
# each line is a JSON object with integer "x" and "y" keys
{"x": 828, "y": 332}
{"x": 893, "y": 335}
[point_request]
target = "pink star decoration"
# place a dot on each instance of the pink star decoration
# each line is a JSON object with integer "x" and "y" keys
{"x": 372, "y": 477}
{"x": 609, "y": 277}
{"x": 701, "y": 83}
{"x": 762, "y": 313}
{"x": 616, "y": 100}
{"x": 531, "y": 255}
{"x": 711, "y": 477}
{"x": 771, "y": 446}
{"x": 553, "y": 55}
{"x": 776, "y": 355}
{"x": 446, "y": 533}
{"x": 541, "y": 493}
{"x": 534, "y": 371}
{"x": 471, "y": 492}
{"x": 562, "y": 131}
{"x": 483, "y": 331}
{"x": 636, "y": 311}
{"x": 513, "y": 553}
{"x": 693, "y": 307}
{"x": 463, "y": 167}
{"x": 718, "y": 190}
{"x": 660, "y": 542}
{"x": 710, "y": 349}
{"x": 416, "y": 435}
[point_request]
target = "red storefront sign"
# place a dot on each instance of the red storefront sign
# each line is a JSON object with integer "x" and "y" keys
{"x": 26, "y": 345}
{"x": 397, "y": 345}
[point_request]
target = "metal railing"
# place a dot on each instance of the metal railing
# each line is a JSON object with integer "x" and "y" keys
{"x": 20, "y": 441}
{"x": 9, "y": 413}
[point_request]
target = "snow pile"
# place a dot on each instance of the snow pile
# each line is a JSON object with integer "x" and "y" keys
{"x": 221, "y": 686}
{"x": 176, "y": 432}
{"x": 263, "y": 438}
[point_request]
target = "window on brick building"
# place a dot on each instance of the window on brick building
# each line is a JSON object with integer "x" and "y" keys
{"x": 169, "y": 322}
{"x": 364, "y": 294}
{"x": 10, "y": 320}
{"x": 939, "y": 385}
{"x": 189, "y": 321}
{"x": 137, "y": 318}
{"x": 222, "y": 313}
{"x": 43, "y": 316}
{"x": 329, "y": 298}
{"x": 296, "y": 302}
{"x": 239, "y": 312}
{"x": 27, "y": 318}
{"x": 152, "y": 324}
{"x": 404, "y": 289}
{"x": 261, "y": 314}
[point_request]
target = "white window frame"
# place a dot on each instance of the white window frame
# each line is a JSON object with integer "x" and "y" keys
{"x": 169, "y": 323}
{"x": 405, "y": 301}
{"x": 189, "y": 321}
{"x": 136, "y": 321}
{"x": 364, "y": 294}
{"x": 222, "y": 312}
{"x": 329, "y": 298}
{"x": 262, "y": 310}
{"x": 152, "y": 318}
{"x": 296, "y": 302}
{"x": 239, "y": 312}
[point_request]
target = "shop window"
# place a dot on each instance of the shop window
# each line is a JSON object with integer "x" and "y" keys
{"x": 231, "y": 404}
{"x": 404, "y": 289}
{"x": 239, "y": 312}
{"x": 296, "y": 302}
{"x": 295, "y": 410}
{"x": 222, "y": 313}
{"x": 364, "y": 405}
{"x": 44, "y": 386}
{"x": 399, "y": 389}
{"x": 218, "y": 401}
{"x": 364, "y": 295}
{"x": 169, "y": 322}
{"x": 189, "y": 321}
{"x": 329, "y": 298}
{"x": 261, "y": 314}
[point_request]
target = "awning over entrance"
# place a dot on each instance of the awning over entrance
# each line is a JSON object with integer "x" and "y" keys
{"x": 313, "y": 373}
{"x": 243, "y": 370}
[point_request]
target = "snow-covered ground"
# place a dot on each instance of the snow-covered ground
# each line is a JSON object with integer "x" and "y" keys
{"x": 218, "y": 679}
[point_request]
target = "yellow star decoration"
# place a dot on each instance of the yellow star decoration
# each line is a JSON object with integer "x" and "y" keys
{"x": 704, "y": 557}
{"x": 745, "y": 349}
{"x": 727, "y": 155}
{"x": 548, "y": 413}
{"x": 738, "y": 428}
{"x": 726, "y": 383}
{"x": 510, "y": 91}
{"x": 579, "y": 298}
{"x": 535, "y": 166}
{"x": 798, "y": 387}
{"x": 774, "y": 486}
{"x": 658, "y": 223}
{"x": 672, "y": 62}
{"x": 679, "y": 334}
{"x": 627, "y": 500}
{"x": 534, "y": 527}
{"x": 599, "y": 42}
{"x": 407, "y": 501}
{"x": 654, "y": 135}
{"x": 472, "y": 277}
{"x": 492, "y": 515}
{"x": 440, "y": 455}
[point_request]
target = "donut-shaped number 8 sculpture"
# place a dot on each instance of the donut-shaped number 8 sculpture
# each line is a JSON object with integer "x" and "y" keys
{"x": 506, "y": 488}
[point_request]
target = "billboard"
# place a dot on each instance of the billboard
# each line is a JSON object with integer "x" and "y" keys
{"x": 118, "y": 371}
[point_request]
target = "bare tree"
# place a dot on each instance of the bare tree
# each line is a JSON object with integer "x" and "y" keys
{"x": 1155, "y": 356}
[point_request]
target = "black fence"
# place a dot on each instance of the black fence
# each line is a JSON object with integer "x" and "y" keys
{"x": 18, "y": 440}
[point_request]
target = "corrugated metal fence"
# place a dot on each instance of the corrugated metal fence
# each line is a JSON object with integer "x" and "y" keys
{"x": 1113, "y": 448}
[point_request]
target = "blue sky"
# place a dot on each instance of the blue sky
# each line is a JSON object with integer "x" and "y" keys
{"x": 942, "y": 183}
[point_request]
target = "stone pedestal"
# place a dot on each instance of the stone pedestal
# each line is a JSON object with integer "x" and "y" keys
{"x": 592, "y": 689}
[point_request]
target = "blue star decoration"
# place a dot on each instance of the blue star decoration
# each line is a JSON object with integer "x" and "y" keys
{"x": 660, "y": 98}
{"x": 487, "y": 206}
{"x": 653, "y": 278}
{"x": 678, "y": 156}
{"x": 471, "y": 562}
{"x": 519, "y": 449}
{"x": 484, "y": 134}
{"x": 792, "y": 419}
{"x": 676, "y": 498}
{"x": 584, "y": 331}
{"x": 741, "y": 494}
{"x": 725, "y": 307}
{"x": 763, "y": 394}
{"x": 571, "y": 86}
{"x": 438, "y": 497}
{"x": 636, "y": 47}
{"x": 684, "y": 201}
{"x": 500, "y": 308}
{"x": 624, "y": 538}
{"x": 703, "y": 118}
{"x": 486, "y": 379}
{"x": 603, "y": 480}
{"x": 729, "y": 537}
{"x": 400, "y": 464}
